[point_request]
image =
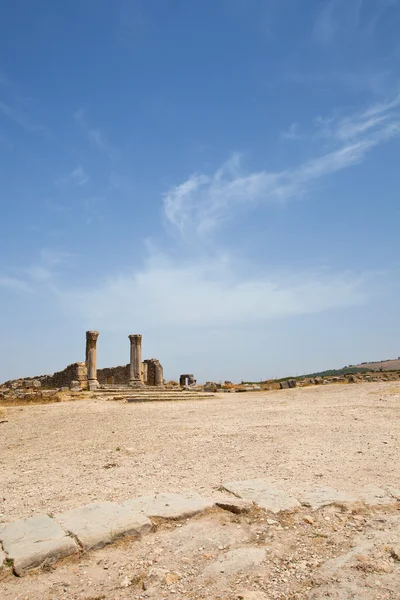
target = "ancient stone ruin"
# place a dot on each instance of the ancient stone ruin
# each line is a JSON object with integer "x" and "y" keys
{"x": 137, "y": 374}
{"x": 85, "y": 375}
{"x": 187, "y": 380}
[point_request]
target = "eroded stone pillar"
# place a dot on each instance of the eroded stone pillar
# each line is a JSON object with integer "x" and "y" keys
{"x": 91, "y": 359}
{"x": 144, "y": 372}
{"x": 135, "y": 370}
{"x": 158, "y": 374}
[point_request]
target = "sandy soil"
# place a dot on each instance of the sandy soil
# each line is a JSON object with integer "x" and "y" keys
{"x": 54, "y": 457}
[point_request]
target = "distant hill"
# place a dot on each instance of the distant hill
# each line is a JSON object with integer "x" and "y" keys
{"x": 385, "y": 365}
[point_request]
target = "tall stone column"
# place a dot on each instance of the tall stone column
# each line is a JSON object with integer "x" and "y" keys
{"x": 135, "y": 372}
{"x": 91, "y": 358}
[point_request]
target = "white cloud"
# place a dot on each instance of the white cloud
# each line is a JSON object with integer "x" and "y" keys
{"x": 337, "y": 17}
{"x": 19, "y": 116}
{"x": 95, "y": 136}
{"x": 291, "y": 133}
{"x": 207, "y": 293}
{"x": 77, "y": 176}
{"x": 205, "y": 201}
{"x": 14, "y": 284}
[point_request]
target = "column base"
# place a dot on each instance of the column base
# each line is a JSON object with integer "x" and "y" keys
{"x": 136, "y": 383}
{"x": 93, "y": 385}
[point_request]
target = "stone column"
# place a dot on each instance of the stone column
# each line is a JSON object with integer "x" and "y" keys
{"x": 144, "y": 372}
{"x": 158, "y": 375}
{"x": 135, "y": 371}
{"x": 91, "y": 357}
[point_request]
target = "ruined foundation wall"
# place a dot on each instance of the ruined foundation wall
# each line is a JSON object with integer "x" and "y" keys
{"x": 154, "y": 372}
{"x": 113, "y": 375}
{"x": 74, "y": 372}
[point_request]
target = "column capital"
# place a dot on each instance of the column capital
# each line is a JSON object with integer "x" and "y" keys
{"x": 135, "y": 337}
{"x": 92, "y": 335}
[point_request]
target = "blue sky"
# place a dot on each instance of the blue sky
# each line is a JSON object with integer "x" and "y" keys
{"x": 221, "y": 176}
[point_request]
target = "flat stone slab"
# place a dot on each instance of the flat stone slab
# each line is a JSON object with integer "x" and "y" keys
{"x": 235, "y": 561}
{"x": 3, "y": 558}
{"x": 394, "y": 491}
{"x": 235, "y": 505}
{"x": 101, "y": 523}
{"x": 263, "y": 494}
{"x": 373, "y": 495}
{"x": 29, "y": 542}
{"x": 320, "y": 496}
{"x": 170, "y": 506}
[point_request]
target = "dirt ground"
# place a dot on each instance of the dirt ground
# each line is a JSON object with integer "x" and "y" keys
{"x": 58, "y": 456}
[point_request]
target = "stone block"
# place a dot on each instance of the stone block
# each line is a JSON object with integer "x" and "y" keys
{"x": 235, "y": 505}
{"x": 29, "y": 542}
{"x": 264, "y": 494}
{"x": 373, "y": 495}
{"x": 320, "y": 496}
{"x": 170, "y": 506}
{"x": 100, "y": 523}
{"x": 3, "y": 558}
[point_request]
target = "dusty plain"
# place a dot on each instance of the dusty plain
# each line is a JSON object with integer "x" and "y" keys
{"x": 58, "y": 456}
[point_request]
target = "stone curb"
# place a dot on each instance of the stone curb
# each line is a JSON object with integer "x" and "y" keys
{"x": 29, "y": 543}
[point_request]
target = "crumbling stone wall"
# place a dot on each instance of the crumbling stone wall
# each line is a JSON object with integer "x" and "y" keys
{"x": 113, "y": 375}
{"x": 154, "y": 372}
{"x": 75, "y": 372}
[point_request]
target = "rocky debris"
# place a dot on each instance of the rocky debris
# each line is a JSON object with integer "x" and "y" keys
{"x": 170, "y": 506}
{"x": 319, "y": 496}
{"x": 263, "y": 494}
{"x": 289, "y": 383}
{"x": 29, "y": 542}
{"x": 252, "y": 596}
{"x": 32, "y": 384}
{"x": 235, "y": 561}
{"x": 235, "y": 505}
{"x": 100, "y": 523}
{"x": 210, "y": 386}
{"x": 366, "y": 570}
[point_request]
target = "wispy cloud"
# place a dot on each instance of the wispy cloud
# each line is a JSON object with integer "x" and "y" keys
{"x": 337, "y": 17}
{"x": 14, "y": 107}
{"x": 77, "y": 176}
{"x": 14, "y": 284}
{"x": 19, "y": 116}
{"x": 291, "y": 133}
{"x": 94, "y": 135}
{"x": 204, "y": 201}
{"x": 209, "y": 293}
{"x": 44, "y": 270}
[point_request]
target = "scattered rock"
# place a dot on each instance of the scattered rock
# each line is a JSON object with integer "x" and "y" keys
{"x": 100, "y": 523}
{"x": 126, "y": 582}
{"x": 32, "y": 541}
{"x": 395, "y": 553}
{"x": 234, "y": 561}
{"x": 252, "y": 596}
{"x": 263, "y": 494}
{"x": 171, "y": 578}
{"x": 309, "y": 520}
